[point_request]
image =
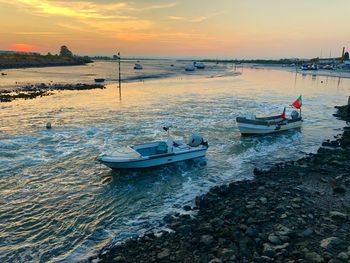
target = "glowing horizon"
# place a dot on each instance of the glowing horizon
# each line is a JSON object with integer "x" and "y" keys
{"x": 177, "y": 28}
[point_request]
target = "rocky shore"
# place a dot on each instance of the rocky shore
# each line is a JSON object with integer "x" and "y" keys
{"x": 40, "y": 90}
{"x": 295, "y": 212}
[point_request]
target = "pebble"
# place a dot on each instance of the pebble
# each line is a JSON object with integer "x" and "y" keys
{"x": 274, "y": 239}
{"x": 119, "y": 259}
{"x": 164, "y": 253}
{"x": 283, "y": 230}
{"x": 263, "y": 200}
{"x": 283, "y": 216}
{"x": 337, "y": 215}
{"x": 330, "y": 242}
{"x": 307, "y": 232}
{"x": 313, "y": 257}
{"x": 207, "y": 240}
{"x": 215, "y": 260}
{"x": 340, "y": 189}
{"x": 343, "y": 256}
{"x": 252, "y": 232}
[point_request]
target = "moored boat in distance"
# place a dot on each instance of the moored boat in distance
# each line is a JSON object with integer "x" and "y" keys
{"x": 138, "y": 66}
{"x": 199, "y": 65}
{"x": 252, "y": 125}
{"x": 309, "y": 67}
{"x": 189, "y": 67}
{"x": 155, "y": 153}
{"x": 99, "y": 80}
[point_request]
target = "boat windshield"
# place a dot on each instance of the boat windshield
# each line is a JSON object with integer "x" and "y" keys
{"x": 161, "y": 148}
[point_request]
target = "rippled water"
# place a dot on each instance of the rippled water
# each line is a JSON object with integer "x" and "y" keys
{"x": 57, "y": 203}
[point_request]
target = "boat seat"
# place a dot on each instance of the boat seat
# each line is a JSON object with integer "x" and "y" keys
{"x": 162, "y": 148}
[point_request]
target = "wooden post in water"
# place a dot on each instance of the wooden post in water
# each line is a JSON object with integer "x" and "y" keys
{"x": 120, "y": 79}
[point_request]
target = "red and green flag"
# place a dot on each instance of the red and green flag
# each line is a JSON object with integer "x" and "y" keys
{"x": 297, "y": 104}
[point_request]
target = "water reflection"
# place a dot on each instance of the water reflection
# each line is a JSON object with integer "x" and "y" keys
{"x": 58, "y": 203}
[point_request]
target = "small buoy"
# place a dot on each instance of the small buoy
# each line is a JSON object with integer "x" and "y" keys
{"x": 48, "y": 125}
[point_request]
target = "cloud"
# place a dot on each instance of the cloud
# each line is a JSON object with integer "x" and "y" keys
{"x": 163, "y": 37}
{"x": 101, "y": 18}
{"x": 83, "y": 9}
{"x": 39, "y": 33}
{"x": 176, "y": 18}
{"x": 195, "y": 19}
{"x": 75, "y": 9}
{"x": 159, "y": 6}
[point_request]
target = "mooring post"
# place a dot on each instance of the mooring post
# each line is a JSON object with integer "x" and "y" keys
{"x": 119, "y": 70}
{"x": 120, "y": 78}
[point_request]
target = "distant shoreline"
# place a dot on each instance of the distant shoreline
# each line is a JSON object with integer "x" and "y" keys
{"x": 13, "y": 61}
{"x": 41, "y": 65}
{"x": 336, "y": 73}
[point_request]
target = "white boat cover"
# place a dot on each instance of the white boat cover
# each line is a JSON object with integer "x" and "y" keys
{"x": 125, "y": 153}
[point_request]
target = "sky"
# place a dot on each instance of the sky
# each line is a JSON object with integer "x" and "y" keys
{"x": 222, "y": 29}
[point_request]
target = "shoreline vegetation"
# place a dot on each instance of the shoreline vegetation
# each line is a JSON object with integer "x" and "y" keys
{"x": 41, "y": 90}
{"x": 11, "y": 61}
{"x": 296, "y": 211}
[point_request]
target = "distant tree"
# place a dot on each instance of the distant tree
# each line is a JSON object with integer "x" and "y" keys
{"x": 115, "y": 57}
{"x": 65, "y": 52}
{"x": 346, "y": 56}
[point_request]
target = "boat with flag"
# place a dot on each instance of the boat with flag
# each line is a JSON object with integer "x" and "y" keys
{"x": 155, "y": 153}
{"x": 251, "y": 124}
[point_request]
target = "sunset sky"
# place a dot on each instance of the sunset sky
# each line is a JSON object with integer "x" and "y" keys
{"x": 178, "y": 28}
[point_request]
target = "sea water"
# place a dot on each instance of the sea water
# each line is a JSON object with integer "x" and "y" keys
{"x": 57, "y": 203}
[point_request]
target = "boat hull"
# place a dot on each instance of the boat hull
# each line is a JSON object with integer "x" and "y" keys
{"x": 154, "y": 161}
{"x": 251, "y": 129}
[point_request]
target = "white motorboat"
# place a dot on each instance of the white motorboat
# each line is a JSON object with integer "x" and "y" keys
{"x": 155, "y": 153}
{"x": 199, "y": 65}
{"x": 263, "y": 125}
{"x": 189, "y": 67}
{"x": 138, "y": 66}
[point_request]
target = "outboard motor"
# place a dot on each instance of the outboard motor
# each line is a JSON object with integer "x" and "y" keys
{"x": 195, "y": 140}
{"x": 294, "y": 115}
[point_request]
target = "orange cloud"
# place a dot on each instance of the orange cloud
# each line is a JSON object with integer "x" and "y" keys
{"x": 22, "y": 47}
